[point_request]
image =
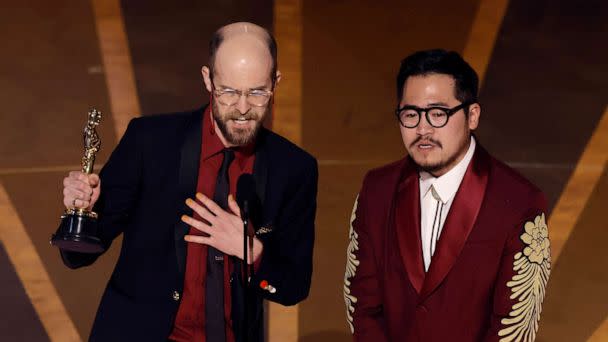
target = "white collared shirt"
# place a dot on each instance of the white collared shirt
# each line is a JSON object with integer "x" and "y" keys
{"x": 436, "y": 197}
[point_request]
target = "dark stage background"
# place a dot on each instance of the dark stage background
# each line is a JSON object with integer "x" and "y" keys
{"x": 544, "y": 112}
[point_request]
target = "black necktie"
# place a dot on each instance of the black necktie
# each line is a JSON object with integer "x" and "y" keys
{"x": 214, "y": 288}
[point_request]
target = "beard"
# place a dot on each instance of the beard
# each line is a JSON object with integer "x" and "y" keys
{"x": 239, "y": 136}
{"x": 436, "y": 166}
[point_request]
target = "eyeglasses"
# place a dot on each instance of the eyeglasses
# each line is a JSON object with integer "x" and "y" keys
{"x": 229, "y": 96}
{"x": 409, "y": 116}
{"x": 255, "y": 97}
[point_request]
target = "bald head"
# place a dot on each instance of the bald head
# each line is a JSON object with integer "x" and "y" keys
{"x": 243, "y": 27}
{"x": 241, "y": 78}
{"x": 243, "y": 44}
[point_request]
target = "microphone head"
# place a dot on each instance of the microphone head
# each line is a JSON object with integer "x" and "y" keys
{"x": 245, "y": 189}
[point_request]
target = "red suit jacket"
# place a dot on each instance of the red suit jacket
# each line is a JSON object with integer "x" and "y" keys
{"x": 487, "y": 278}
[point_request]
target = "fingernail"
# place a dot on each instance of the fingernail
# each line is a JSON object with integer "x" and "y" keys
{"x": 199, "y": 195}
{"x": 189, "y": 201}
{"x": 184, "y": 218}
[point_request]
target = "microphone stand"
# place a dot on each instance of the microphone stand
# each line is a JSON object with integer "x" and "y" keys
{"x": 245, "y": 191}
{"x": 245, "y": 217}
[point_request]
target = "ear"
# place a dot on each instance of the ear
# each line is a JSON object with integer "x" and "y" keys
{"x": 206, "y": 78}
{"x": 474, "y": 114}
{"x": 277, "y": 77}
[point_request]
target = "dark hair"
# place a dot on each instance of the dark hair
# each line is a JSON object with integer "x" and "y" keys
{"x": 439, "y": 61}
{"x": 218, "y": 38}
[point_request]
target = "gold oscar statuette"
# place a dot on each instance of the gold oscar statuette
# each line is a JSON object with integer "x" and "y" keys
{"x": 77, "y": 231}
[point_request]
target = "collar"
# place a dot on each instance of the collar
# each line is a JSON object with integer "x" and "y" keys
{"x": 446, "y": 185}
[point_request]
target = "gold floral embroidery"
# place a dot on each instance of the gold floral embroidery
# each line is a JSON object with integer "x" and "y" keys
{"x": 351, "y": 269}
{"x": 533, "y": 266}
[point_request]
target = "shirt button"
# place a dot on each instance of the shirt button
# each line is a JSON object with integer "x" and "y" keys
{"x": 175, "y": 296}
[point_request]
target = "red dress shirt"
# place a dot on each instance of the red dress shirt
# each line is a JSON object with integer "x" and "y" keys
{"x": 190, "y": 320}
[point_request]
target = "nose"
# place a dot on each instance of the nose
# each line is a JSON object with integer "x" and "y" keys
{"x": 424, "y": 127}
{"x": 242, "y": 105}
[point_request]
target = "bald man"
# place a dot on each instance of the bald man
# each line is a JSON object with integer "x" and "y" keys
{"x": 169, "y": 188}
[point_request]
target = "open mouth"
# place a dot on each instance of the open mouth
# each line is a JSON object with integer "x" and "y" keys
{"x": 241, "y": 121}
{"x": 426, "y": 146}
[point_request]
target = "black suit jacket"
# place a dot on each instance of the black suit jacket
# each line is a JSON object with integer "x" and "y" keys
{"x": 144, "y": 185}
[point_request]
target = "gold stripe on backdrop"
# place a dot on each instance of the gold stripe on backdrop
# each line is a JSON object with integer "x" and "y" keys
{"x": 117, "y": 65}
{"x": 482, "y": 37}
{"x": 288, "y": 101}
{"x": 601, "y": 334}
{"x": 583, "y": 180}
{"x": 34, "y": 277}
{"x": 287, "y": 121}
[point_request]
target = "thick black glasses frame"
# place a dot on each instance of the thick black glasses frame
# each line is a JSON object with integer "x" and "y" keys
{"x": 449, "y": 112}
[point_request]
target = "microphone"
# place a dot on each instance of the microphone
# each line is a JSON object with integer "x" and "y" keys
{"x": 245, "y": 192}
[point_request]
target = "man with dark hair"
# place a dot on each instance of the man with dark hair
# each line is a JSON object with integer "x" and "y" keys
{"x": 169, "y": 188}
{"x": 448, "y": 243}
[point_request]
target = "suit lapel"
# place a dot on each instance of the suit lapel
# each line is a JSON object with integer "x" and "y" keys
{"x": 260, "y": 216}
{"x": 460, "y": 221}
{"x": 190, "y": 153}
{"x": 260, "y": 165}
{"x": 406, "y": 212}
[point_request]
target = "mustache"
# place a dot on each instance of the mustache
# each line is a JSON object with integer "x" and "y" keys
{"x": 426, "y": 140}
